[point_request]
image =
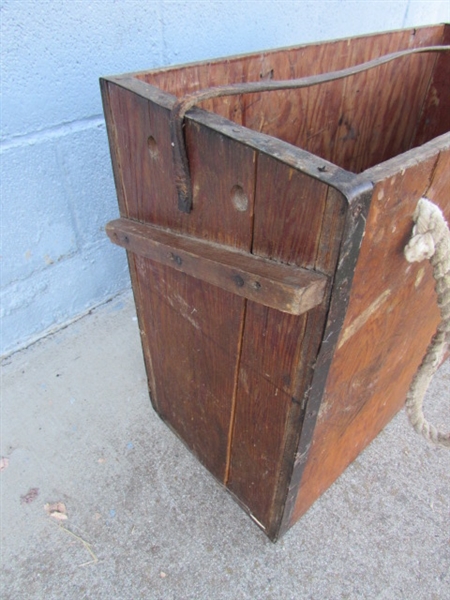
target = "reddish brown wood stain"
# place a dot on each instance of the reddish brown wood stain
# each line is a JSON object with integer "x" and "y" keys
{"x": 330, "y": 120}
{"x": 435, "y": 118}
{"x": 380, "y": 346}
{"x": 286, "y": 288}
{"x": 241, "y": 383}
{"x": 196, "y": 371}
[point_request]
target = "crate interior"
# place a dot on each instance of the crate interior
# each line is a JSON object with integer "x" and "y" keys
{"x": 356, "y": 122}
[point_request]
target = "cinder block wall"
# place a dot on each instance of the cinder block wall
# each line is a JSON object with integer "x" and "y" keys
{"x": 56, "y": 182}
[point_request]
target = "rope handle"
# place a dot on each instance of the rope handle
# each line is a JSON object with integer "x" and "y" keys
{"x": 181, "y": 163}
{"x": 430, "y": 240}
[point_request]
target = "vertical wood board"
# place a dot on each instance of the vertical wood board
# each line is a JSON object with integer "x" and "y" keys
{"x": 145, "y": 156}
{"x": 435, "y": 118}
{"x": 194, "y": 334}
{"x": 279, "y": 350}
{"x": 194, "y": 360}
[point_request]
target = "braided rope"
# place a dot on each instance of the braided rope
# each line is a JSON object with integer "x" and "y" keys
{"x": 430, "y": 239}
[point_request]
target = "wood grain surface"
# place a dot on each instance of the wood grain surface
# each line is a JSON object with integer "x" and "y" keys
{"x": 278, "y": 351}
{"x": 331, "y": 120}
{"x": 193, "y": 384}
{"x": 287, "y": 288}
{"x": 276, "y": 405}
{"x": 435, "y": 117}
{"x": 390, "y": 320}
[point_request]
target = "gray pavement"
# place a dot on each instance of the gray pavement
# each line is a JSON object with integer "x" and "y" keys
{"x": 151, "y": 523}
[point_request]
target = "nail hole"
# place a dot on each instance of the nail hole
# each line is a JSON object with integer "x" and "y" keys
{"x": 268, "y": 75}
{"x": 152, "y": 147}
{"x": 257, "y": 285}
{"x": 238, "y": 280}
{"x": 239, "y": 198}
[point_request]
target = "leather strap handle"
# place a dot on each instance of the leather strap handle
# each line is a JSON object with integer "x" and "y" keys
{"x": 181, "y": 163}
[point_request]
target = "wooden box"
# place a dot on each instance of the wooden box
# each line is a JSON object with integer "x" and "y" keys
{"x": 279, "y": 318}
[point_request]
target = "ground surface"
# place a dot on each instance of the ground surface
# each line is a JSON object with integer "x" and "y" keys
{"x": 78, "y": 428}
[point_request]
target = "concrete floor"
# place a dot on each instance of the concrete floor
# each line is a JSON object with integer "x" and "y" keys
{"x": 78, "y": 428}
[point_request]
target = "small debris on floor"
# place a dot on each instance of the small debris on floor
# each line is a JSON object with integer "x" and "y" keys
{"x": 57, "y": 510}
{"x": 4, "y": 463}
{"x": 30, "y": 496}
{"x": 86, "y": 544}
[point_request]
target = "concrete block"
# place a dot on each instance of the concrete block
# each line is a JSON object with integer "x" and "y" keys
{"x": 54, "y": 52}
{"x": 37, "y": 223}
{"x": 57, "y": 184}
{"x": 86, "y": 163}
{"x": 36, "y": 305}
{"x": 432, "y": 11}
{"x": 203, "y": 29}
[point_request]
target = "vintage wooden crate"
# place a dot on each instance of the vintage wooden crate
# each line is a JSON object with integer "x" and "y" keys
{"x": 279, "y": 319}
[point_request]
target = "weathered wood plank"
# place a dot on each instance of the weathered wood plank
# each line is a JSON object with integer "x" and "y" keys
{"x": 143, "y": 149}
{"x": 271, "y": 343}
{"x": 196, "y": 397}
{"x": 334, "y": 120}
{"x": 288, "y": 215}
{"x": 301, "y": 417}
{"x": 223, "y": 206}
{"x": 435, "y": 117}
{"x": 194, "y": 338}
{"x": 289, "y": 289}
{"x": 124, "y": 211}
{"x": 290, "y": 225}
{"x": 372, "y": 101}
{"x": 380, "y": 345}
